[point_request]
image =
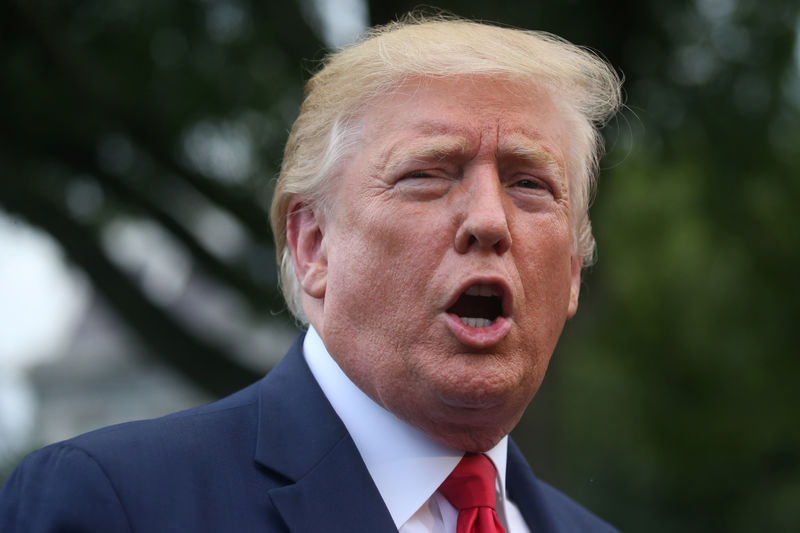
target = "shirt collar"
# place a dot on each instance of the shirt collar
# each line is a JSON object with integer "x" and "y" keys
{"x": 405, "y": 464}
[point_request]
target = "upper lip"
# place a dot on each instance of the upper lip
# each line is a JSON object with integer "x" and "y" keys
{"x": 498, "y": 285}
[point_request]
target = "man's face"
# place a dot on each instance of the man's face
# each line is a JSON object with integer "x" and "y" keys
{"x": 445, "y": 268}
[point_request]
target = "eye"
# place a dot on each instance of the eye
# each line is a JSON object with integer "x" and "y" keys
{"x": 424, "y": 184}
{"x": 532, "y": 185}
{"x": 419, "y": 174}
{"x": 428, "y": 174}
{"x": 529, "y": 184}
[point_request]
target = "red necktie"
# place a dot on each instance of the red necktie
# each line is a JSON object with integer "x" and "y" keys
{"x": 470, "y": 488}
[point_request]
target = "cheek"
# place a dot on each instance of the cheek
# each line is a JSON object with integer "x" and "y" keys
{"x": 372, "y": 262}
{"x": 394, "y": 238}
{"x": 545, "y": 261}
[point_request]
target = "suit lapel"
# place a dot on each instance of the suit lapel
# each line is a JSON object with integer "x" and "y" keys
{"x": 338, "y": 495}
{"x": 301, "y": 438}
{"x": 524, "y": 492}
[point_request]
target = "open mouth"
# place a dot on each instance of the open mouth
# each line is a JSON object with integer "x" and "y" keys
{"x": 479, "y": 306}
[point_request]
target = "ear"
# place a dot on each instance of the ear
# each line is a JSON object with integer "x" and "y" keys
{"x": 575, "y": 284}
{"x": 306, "y": 242}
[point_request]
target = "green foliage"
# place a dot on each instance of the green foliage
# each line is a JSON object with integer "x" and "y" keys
{"x": 681, "y": 386}
{"x": 168, "y": 115}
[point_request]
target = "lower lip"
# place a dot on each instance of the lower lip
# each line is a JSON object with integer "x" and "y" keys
{"x": 479, "y": 337}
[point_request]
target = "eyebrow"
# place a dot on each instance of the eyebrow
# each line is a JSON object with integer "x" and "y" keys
{"x": 442, "y": 140}
{"x": 437, "y": 148}
{"x": 522, "y": 146}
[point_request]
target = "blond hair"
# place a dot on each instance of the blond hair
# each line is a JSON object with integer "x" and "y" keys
{"x": 326, "y": 131}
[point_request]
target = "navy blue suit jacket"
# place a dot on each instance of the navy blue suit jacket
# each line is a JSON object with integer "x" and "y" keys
{"x": 273, "y": 457}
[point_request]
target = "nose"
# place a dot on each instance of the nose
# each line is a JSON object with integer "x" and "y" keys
{"x": 483, "y": 220}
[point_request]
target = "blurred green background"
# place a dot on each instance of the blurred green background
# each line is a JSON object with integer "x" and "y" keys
{"x": 671, "y": 404}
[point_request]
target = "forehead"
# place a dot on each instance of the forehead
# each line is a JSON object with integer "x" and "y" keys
{"x": 465, "y": 114}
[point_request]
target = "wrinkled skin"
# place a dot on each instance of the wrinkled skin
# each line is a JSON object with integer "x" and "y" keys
{"x": 457, "y": 182}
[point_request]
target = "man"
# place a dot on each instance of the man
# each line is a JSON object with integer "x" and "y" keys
{"x": 431, "y": 225}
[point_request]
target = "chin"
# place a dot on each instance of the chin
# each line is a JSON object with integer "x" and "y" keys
{"x": 475, "y": 441}
{"x": 476, "y": 431}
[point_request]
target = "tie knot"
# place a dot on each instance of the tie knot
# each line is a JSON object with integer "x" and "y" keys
{"x": 471, "y": 484}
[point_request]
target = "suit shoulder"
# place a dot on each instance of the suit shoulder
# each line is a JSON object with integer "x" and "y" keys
{"x": 198, "y": 428}
{"x": 135, "y": 473}
{"x": 60, "y": 488}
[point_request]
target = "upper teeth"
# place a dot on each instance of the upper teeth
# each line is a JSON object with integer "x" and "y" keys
{"x": 481, "y": 290}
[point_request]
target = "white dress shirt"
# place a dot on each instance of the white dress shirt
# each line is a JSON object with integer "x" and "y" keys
{"x": 405, "y": 464}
